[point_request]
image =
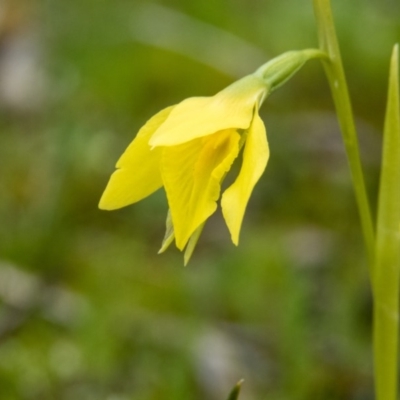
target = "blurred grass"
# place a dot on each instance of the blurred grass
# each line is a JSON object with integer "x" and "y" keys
{"x": 88, "y": 309}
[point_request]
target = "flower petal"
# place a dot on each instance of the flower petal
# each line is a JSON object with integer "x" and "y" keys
{"x": 138, "y": 174}
{"x": 192, "y": 173}
{"x": 200, "y": 116}
{"x": 255, "y": 158}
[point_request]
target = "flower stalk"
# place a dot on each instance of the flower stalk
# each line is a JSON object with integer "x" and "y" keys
{"x": 337, "y": 82}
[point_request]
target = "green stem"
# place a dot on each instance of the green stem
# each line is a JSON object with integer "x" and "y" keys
{"x": 337, "y": 81}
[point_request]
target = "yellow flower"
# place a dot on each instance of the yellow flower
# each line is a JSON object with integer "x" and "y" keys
{"x": 188, "y": 148}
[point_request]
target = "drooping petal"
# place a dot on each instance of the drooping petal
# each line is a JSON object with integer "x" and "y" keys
{"x": 138, "y": 174}
{"x": 192, "y": 173}
{"x": 200, "y": 116}
{"x": 255, "y": 158}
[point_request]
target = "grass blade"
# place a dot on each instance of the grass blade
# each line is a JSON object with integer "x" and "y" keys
{"x": 387, "y": 267}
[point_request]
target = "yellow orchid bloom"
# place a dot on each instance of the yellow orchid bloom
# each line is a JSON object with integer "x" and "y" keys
{"x": 190, "y": 147}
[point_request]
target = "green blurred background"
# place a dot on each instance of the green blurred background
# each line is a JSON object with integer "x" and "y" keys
{"x": 88, "y": 310}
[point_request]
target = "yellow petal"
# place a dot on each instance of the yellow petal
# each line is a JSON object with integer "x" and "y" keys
{"x": 200, "y": 116}
{"x": 255, "y": 158}
{"x": 138, "y": 174}
{"x": 192, "y": 173}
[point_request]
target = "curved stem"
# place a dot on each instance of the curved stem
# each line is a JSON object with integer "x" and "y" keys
{"x": 337, "y": 82}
